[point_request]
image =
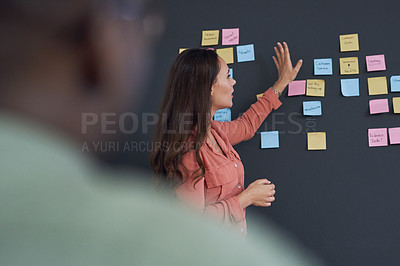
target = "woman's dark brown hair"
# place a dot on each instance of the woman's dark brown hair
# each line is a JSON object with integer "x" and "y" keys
{"x": 185, "y": 112}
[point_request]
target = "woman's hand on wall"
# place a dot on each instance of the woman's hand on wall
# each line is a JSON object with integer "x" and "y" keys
{"x": 286, "y": 72}
{"x": 259, "y": 193}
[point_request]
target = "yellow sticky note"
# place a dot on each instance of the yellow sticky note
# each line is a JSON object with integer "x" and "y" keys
{"x": 315, "y": 87}
{"x": 259, "y": 95}
{"x": 226, "y": 54}
{"x": 396, "y": 105}
{"x": 209, "y": 37}
{"x": 182, "y": 49}
{"x": 349, "y": 66}
{"x": 316, "y": 141}
{"x": 349, "y": 42}
{"x": 377, "y": 86}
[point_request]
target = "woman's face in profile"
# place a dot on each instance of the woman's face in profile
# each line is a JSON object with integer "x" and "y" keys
{"x": 222, "y": 90}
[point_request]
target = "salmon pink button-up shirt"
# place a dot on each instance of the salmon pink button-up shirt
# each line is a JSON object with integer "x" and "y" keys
{"x": 216, "y": 192}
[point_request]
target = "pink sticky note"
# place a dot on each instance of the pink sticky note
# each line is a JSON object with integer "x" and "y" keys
{"x": 297, "y": 87}
{"x": 394, "y": 135}
{"x": 377, "y": 137}
{"x": 379, "y": 106}
{"x": 376, "y": 62}
{"x": 230, "y": 36}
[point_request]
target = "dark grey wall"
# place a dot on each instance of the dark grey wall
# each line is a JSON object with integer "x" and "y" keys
{"x": 343, "y": 202}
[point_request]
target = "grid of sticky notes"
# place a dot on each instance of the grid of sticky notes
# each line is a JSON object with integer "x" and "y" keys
{"x": 227, "y": 37}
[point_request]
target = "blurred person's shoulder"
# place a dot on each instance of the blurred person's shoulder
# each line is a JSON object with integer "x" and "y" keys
{"x": 59, "y": 208}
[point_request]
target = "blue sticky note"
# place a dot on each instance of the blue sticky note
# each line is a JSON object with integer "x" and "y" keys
{"x": 245, "y": 53}
{"x": 395, "y": 83}
{"x": 231, "y": 72}
{"x": 350, "y": 87}
{"x": 223, "y": 115}
{"x": 269, "y": 139}
{"x": 323, "y": 66}
{"x": 313, "y": 108}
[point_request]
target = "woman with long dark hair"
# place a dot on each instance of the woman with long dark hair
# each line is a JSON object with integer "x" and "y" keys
{"x": 194, "y": 153}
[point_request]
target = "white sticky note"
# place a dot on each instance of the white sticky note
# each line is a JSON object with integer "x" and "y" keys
{"x": 312, "y": 108}
{"x": 223, "y": 115}
{"x": 269, "y": 139}
{"x": 245, "y": 53}
{"x": 323, "y": 66}
{"x": 395, "y": 83}
{"x": 350, "y": 87}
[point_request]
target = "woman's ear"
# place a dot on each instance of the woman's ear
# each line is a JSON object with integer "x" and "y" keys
{"x": 212, "y": 90}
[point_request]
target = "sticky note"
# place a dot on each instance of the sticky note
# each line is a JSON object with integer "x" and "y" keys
{"x": 378, "y": 106}
{"x": 297, "y": 87}
{"x": 377, "y": 137}
{"x": 259, "y": 95}
{"x": 377, "y": 86}
{"x": 230, "y": 36}
{"x": 313, "y": 108}
{"x": 395, "y": 83}
{"x": 245, "y": 53}
{"x": 315, "y": 87}
{"x": 394, "y": 135}
{"x": 269, "y": 139}
{"x": 396, "y": 105}
{"x": 375, "y": 62}
{"x": 210, "y": 37}
{"x": 223, "y": 115}
{"x": 226, "y": 54}
{"x": 231, "y": 72}
{"x": 182, "y": 49}
{"x": 316, "y": 141}
{"x": 349, "y": 66}
{"x": 350, "y": 87}
{"x": 349, "y": 42}
{"x": 323, "y": 66}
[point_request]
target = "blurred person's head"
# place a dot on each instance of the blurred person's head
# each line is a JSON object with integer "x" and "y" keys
{"x": 198, "y": 85}
{"x": 60, "y": 59}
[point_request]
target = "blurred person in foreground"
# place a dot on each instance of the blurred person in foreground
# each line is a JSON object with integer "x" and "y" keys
{"x": 58, "y": 61}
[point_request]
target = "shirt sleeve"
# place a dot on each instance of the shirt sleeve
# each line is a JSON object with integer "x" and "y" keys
{"x": 244, "y": 127}
{"x": 227, "y": 211}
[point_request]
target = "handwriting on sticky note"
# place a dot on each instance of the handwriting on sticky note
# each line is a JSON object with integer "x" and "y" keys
{"x": 350, "y": 87}
{"x": 315, "y": 87}
{"x": 375, "y": 62}
{"x": 297, "y": 87}
{"x": 349, "y": 42}
{"x": 269, "y": 139}
{"x": 323, "y": 66}
{"x": 230, "y": 36}
{"x": 378, "y": 106}
{"x": 223, "y": 115}
{"x": 313, "y": 108}
{"x": 349, "y": 66}
{"x": 377, "y": 137}
{"x": 394, "y": 135}
{"x": 245, "y": 53}
{"x": 377, "y": 86}
{"x": 395, "y": 83}
{"x": 316, "y": 141}
{"x": 226, "y": 54}
{"x": 259, "y": 95}
{"x": 210, "y": 37}
{"x": 396, "y": 105}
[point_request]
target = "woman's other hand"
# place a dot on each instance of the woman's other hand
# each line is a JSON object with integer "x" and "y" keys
{"x": 259, "y": 193}
{"x": 286, "y": 72}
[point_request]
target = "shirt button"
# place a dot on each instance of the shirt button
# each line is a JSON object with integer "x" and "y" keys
{"x": 241, "y": 230}
{"x": 235, "y": 164}
{"x": 239, "y": 185}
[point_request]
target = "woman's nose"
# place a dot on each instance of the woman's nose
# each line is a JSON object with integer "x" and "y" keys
{"x": 233, "y": 82}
